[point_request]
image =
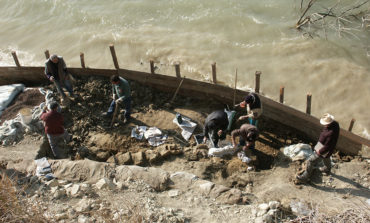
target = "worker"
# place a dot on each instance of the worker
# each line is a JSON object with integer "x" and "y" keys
{"x": 323, "y": 150}
{"x": 215, "y": 127}
{"x": 254, "y": 108}
{"x": 56, "y": 71}
{"x": 248, "y": 134}
{"x": 121, "y": 95}
{"x": 54, "y": 129}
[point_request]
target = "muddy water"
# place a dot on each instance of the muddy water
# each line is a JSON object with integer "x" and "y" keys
{"x": 245, "y": 35}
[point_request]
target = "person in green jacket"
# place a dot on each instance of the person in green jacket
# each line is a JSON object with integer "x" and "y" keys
{"x": 121, "y": 95}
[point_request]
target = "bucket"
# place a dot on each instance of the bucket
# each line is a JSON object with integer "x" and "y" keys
{"x": 26, "y": 115}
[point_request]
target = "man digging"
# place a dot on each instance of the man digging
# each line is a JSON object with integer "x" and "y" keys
{"x": 121, "y": 96}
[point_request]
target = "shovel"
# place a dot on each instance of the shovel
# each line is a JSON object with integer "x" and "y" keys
{"x": 114, "y": 115}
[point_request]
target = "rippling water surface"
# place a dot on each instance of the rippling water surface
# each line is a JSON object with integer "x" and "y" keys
{"x": 236, "y": 34}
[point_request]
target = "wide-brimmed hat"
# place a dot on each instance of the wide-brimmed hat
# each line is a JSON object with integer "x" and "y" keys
{"x": 326, "y": 119}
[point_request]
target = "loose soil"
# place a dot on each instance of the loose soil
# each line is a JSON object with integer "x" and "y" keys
{"x": 272, "y": 175}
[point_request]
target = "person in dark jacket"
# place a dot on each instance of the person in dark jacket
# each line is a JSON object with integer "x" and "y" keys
{"x": 254, "y": 108}
{"x": 54, "y": 129}
{"x": 247, "y": 133}
{"x": 56, "y": 71}
{"x": 323, "y": 149}
{"x": 215, "y": 127}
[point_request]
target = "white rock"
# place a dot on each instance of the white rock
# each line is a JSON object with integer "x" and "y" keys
{"x": 263, "y": 206}
{"x": 206, "y": 187}
{"x": 120, "y": 185}
{"x": 75, "y": 189}
{"x": 173, "y": 193}
{"x": 267, "y": 218}
{"x": 368, "y": 201}
{"x": 274, "y": 204}
{"x": 62, "y": 182}
{"x": 83, "y": 205}
{"x": 105, "y": 183}
{"x": 52, "y": 183}
{"x": 83, "y": 219}
{"x": 68, "y": 185}
{"x": 61, "y": 216}
{"x": 53, "y": 190}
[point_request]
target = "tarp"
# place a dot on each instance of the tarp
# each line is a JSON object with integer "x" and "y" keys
{"x": 187, "y": 127}
{"x": 8, "y": 93}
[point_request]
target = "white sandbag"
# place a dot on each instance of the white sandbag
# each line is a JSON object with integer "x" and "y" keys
{"x": 222, "y": 151}
{"x": 8, "y": 93}
{"x": 298, "y": 151}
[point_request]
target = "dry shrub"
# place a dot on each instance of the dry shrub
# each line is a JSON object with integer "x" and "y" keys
{"x": 15, "y": 209}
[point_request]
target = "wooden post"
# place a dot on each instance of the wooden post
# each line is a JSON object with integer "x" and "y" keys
{"x": 82, "y": 58}
{"x": 236, "y": 78}
{"x": 258, "y": 77}
{"x": 114, "y": 57}
{"x": 151, "y": 66}
{"x": 351, "y": 125}
{"x": 214, "y": 78}
{"x": 177, "y": 68}
{"x": 47, "y": 54}
{"x": 16, "y": 59}
{"x": 282, "y": 94}
{"x": 308, "y": 108}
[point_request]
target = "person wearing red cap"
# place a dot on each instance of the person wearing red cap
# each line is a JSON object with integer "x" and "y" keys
{"x": 254, "y": 108}
{"x": 323, "y": 149}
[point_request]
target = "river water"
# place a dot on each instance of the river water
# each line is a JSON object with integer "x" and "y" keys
{"x": 329, "y": 60}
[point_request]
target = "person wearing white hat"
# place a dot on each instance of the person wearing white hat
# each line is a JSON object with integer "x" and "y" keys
{"x": 323, "y": 149}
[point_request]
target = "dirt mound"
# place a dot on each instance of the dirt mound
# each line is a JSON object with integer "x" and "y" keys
{"x": 27, "y": 99}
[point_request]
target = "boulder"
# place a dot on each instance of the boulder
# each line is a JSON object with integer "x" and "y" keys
{"x": 157, "y": 178}
{"x": 124, "y": 159}
{"x": 183, "y": 179}
{"x": 138, "y": 158}
{"x": 152, "y": 156}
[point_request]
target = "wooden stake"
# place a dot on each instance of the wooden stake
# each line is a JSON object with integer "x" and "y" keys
{"x": 47, "y": 54}
{"x": 114, "y": 57}
{"x": 308, "y": 108}
{"x": 82, "y": 58}
{"x": 282, "y": 94}
{"x": 16, "y": 59}
{"x": 351, "y": 125}
{"x": 236, "y": 78}
{"x": 258, "y": 77}
{"x": 177, "y": 69}
{"x": 151, "y": 66}
{"x": 177, "y": 90}
{"x": 214, "y": 78}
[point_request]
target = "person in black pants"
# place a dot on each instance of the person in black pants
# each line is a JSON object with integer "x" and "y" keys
{"x": 215, "y": 127}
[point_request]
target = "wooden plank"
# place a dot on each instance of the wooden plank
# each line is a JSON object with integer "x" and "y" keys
{"x": 348, "y": 143}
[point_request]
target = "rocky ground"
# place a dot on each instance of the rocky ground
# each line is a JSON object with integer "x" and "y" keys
{"x": 115, "y": 178}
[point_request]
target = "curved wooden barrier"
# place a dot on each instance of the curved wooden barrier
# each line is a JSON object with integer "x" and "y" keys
{"x": 348, "y": 143}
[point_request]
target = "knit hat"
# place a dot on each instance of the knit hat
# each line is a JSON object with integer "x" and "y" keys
{"x": 54, "y": 56}
{"x": 249, "y": 99}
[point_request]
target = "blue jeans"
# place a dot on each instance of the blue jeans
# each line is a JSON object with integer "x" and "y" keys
{"x": 126, "y": 104}
{"x": 253, "y": 121}
{"x": 64, "y": 84}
